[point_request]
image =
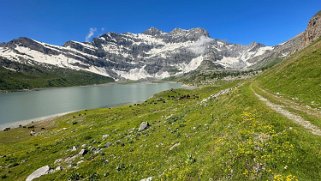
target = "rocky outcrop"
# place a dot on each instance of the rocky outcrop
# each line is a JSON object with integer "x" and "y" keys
{"x": 153, "y": 32}
{"x": 313, "y": 31}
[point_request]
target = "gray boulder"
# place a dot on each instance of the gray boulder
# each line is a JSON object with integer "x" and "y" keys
{"x": 107, "y": 145}
{"x": 143, "y": 126}
{"x": 147, "y": 179}
{"x": 38, "y": 173}
{"x": 83, "y": 152}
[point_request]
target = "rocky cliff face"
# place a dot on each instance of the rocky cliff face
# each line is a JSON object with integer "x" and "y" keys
{"x": 313, "y": 30}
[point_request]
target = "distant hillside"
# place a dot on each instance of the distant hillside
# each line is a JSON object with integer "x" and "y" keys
{"x": 29, "y": 77}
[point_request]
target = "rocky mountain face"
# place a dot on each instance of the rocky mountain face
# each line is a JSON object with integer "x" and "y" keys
{"x": 152, "y": 54}
{"x": 313, "y": 30}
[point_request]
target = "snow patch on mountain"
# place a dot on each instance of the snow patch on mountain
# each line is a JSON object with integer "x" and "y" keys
{"x": 148, "y": 39}
{"x": 192, "y": 65}
{"x": 168, "y": 48}
{"x": 99, "y": 71}
{"x": 140, "y": 73}
{"x": 58, "y": 60}
{"x": 230, "y": 62}
{"x": 251, "y": 54}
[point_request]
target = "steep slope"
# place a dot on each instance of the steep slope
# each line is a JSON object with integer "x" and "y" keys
{"x": 298, "y": 77}
{"x": 16, "y": 76}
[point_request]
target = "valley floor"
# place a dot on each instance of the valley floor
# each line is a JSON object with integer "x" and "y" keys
{"x": 224, "y": 131}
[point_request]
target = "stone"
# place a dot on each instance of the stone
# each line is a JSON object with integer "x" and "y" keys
{"x": 32, "y": 133}
{"x": 83, "y": 152}
{"x": 105, "y": 136}
{"x": 97, "y": 151}
{"x": 143, "y": 126}
{"x": 70, "y": 159}
{"x": 58, "y": 161}
{"x": 174, "y": 146}
{"x": 80, "y": 162}
{"x": 107, "y": 145}
{"x": 59, "y": 168}
{"x": 38, "y": 173}
{"x": 147, "y": 179}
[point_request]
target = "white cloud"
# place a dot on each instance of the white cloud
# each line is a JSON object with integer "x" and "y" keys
{"x": 200, "y": 45}
{"x": 90, "y": 34}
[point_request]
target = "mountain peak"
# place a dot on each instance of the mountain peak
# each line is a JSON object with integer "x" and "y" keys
{"x": 23, "y": 41}
{"x": 196, "y": 31}
{"x": 152, "y": 31}
{"x": 178, "y": 30}
{"x": 256, "y": 44}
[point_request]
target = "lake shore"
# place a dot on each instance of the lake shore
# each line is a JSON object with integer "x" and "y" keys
{"x": 17, "y": 124}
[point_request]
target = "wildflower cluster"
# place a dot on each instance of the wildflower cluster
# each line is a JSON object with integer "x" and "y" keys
{"x": 254, "y": 150}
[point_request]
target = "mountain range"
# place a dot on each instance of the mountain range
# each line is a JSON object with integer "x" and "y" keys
{"x": 153, "y": 54}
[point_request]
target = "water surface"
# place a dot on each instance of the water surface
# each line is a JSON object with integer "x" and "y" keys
{"x": 20, "y": 106}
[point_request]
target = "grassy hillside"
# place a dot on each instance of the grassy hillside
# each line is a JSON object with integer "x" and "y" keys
{"x": 205, "y": 77}
{"x": 30, "y": 77}
{"x": 232, "y": 137}
{"x": 298, "y": 77}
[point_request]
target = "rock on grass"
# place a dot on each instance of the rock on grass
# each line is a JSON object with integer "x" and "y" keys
{"x": 38, "y": 173}
{"x": 143, "y": 126}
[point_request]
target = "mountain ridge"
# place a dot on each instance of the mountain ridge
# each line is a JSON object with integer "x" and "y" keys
{"x": 151, "y": 54}
{"x": 155, "y": 54}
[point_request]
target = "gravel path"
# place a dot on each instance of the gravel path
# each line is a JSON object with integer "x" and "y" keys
{"x": 306, "y": 109}
{"x": 295, "y": 118}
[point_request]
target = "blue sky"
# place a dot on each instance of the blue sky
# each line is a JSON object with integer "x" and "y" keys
{"x": 237, "y": 21}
